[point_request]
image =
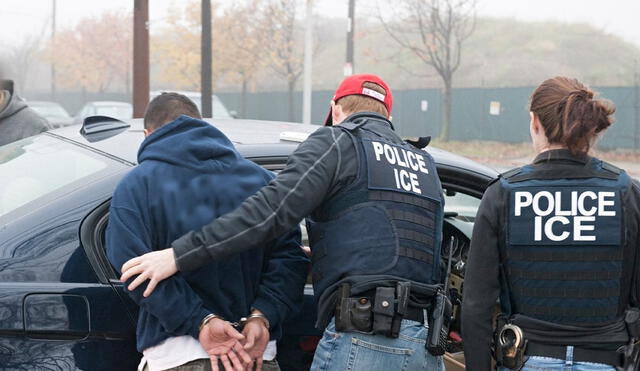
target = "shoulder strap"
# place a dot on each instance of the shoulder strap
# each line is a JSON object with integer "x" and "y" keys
{"x": 511, "y": 173}
{"x": 612, "y": 168}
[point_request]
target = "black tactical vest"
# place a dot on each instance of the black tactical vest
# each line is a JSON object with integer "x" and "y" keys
{"x": 565, "y": 241}
{"x": 388, "y": 222}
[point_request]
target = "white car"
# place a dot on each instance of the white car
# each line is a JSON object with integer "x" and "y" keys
{"x": 117, "y": 110}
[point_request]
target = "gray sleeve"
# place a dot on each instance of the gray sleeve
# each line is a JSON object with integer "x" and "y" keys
{"x": 38, "y": 123}
{"x": 308, "y": 176}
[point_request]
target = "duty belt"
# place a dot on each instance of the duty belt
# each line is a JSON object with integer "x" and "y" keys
{"x": 414, "y": 313}
{"x": 608, "y": 357}
{"x": 378, "y": 311}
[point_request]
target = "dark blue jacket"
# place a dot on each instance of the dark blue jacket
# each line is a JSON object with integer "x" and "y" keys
{"x": 188, "y": 174}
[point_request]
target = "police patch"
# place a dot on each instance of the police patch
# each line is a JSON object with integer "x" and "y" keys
{"x": 565, "y": 216}
{"x": 397, "y": 168}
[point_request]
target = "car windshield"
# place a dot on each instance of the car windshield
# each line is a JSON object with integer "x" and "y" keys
{"x": 462, "y": 204}
{"x": 118, "y": 112}
{"x": 35, "y": 167}
{"x": 50, "y": 110}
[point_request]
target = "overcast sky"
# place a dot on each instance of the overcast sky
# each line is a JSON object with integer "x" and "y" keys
{"x": 19, "y": 18}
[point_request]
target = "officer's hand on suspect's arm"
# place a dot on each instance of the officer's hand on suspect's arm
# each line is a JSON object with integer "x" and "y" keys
{"x": 222, "y": 342}
{"x": 154, "y": 266}
{"x": 257, "y": 336}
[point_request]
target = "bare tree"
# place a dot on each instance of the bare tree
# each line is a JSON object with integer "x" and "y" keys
{"x": 243, "y": 46}
{"x": 434, "y": 31}
{"x": 285, "y": 37}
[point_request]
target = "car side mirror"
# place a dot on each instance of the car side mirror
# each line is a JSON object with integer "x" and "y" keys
{"x": 234, "y": 114}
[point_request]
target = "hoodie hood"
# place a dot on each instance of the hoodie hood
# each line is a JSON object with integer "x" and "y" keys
{"x": 189, "y": 143}
{"x": 14, "y": 105}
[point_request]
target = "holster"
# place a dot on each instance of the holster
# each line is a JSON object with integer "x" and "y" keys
{"x": 352, "y": 314}
{"x": 381, "y": 314}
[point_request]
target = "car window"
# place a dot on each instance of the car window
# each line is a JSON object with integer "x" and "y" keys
{"x": 461, "y": 204}
{"x": 35, "y": 167}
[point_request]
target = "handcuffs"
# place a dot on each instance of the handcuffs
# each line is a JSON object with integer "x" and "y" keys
{"x": 240, "y": 324}
{"x": 510, "y": 347}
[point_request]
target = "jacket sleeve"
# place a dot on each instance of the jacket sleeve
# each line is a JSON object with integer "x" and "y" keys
{"x": 635, "y": 242}
{"x": 296, "y": 191}
{"x": 282, "y": 282}
{"x": 174, "y": 303}
{"x": 481, "y": 284}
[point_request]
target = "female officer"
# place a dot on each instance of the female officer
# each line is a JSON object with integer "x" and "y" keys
{"x": 556, "y": 240}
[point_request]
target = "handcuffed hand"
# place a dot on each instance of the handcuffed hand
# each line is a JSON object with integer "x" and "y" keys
{"x": 222, "y": 342}
{"x": 154, "y": 266}
{"x": 257, "y": 338}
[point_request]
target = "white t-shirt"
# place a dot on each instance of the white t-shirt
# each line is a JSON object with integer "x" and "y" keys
{"x": 176, "y": 351}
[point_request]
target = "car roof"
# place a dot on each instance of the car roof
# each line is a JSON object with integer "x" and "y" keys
{"x": 252, "y": 138}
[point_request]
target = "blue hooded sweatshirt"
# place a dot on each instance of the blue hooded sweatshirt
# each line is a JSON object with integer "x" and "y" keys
{"x": 189, "y": 173}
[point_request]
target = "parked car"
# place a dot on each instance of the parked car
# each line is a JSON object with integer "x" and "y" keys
{"x": 118, "y": 110}
{"x": 61, "y": 303}
{"x": 218, "y": 110}
{"x": 53, "y": 112}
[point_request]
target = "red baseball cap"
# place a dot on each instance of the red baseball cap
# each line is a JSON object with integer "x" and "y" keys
{"x": 354, "y": 85}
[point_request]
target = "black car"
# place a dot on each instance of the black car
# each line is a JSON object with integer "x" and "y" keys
{"x": 62, "y": 306}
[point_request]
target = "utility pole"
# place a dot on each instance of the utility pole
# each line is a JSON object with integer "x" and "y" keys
{"x": 53, "y": 42}
{"x": 308, "y": 64}
{"x": 349, "y": 67}
{"x": 140, "y": 57}
{"x": 205, "y": 59}
{"x": 636, "y": 105}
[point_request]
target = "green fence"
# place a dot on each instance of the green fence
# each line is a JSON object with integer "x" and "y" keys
{"x": 498, "y": 114}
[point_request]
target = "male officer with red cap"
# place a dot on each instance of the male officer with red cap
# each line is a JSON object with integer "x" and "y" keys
{"x": 374, "y": 210}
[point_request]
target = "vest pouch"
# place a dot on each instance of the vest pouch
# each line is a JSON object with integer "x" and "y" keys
{"x": 383, "y": 310}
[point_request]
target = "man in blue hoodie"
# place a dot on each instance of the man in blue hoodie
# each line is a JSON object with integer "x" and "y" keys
{"x": 190, "y": 173}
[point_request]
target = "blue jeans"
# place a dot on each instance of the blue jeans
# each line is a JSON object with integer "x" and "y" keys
{"x": 537, "y": 363}
{"x": 340, "y": 351}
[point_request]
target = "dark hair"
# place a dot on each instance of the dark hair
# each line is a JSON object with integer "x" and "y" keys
{"x": 362, "y": 103}
{"x": 167, "y": 107}
{"x": 569, "y": 113}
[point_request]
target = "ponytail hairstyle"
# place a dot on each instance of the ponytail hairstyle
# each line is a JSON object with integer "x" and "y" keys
{"x": 569, "y": 114}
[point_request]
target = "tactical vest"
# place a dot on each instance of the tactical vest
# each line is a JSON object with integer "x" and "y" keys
{"x": 388, "y": 222}
{"x": 565, "y": 239}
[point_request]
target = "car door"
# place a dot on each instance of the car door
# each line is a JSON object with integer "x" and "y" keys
{"x": 55, "y": 311}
